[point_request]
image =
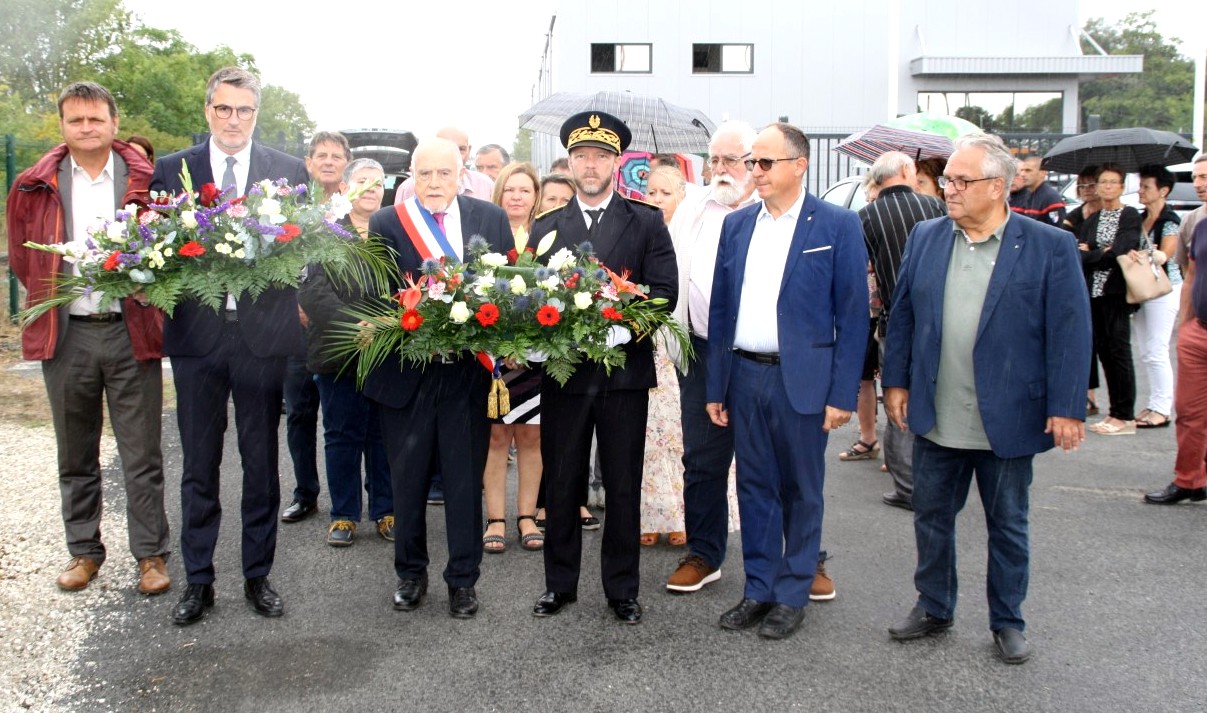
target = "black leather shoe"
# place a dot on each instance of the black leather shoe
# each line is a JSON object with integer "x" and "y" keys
{"x": 1011, "y": 645}
{"x": 264, "y": 599}
{"x": 781, "y": 622}
{"x": 898, "y": 500}
{"x": 628, "y": 611}
{"x": 1173, "y": 494}
{"x": 551, "y": 603}
{"x": 192, "y": 605}
{"x": 462, "y": 602}
{"x": 746, "y": 614}
{"x": 299, "y": 510}
{"x": 918, "y": 624}
{"x": 410, "y": 593}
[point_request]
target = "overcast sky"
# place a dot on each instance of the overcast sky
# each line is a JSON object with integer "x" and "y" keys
{"x": 420, "y": 66}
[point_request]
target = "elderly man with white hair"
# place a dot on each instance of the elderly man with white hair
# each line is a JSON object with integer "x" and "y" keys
{"x": 887, "y": 222}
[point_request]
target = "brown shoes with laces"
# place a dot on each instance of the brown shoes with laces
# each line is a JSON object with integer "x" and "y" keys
{"x": 153, "y": 576}
{"x": 77, "y": 574}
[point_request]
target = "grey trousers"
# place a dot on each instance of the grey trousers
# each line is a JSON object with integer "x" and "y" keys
{"x": 95, "y": 362}
{"x": 898, "y": 448}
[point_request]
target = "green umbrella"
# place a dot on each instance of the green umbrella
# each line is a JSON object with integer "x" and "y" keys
{"x": 950, "y": 126}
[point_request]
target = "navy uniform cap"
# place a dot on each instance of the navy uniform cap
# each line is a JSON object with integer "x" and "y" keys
{"x": 596, "y": 128}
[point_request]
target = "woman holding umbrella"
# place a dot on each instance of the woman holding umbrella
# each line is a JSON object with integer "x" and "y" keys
{"x": 1154, "y": 322}
{"x": 1112, "y": 231}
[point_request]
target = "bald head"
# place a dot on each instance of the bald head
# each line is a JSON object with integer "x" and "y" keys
{"x": 436, "y": 168}
{"x": 459, "y": 138}
{"x": 893, "y": 168}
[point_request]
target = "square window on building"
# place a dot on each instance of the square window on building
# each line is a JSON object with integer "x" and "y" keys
{"x": 622, "y": 59}
{"x": 722, "y": 59}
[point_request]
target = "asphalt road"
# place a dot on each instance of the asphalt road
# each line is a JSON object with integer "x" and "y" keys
{"x": 1115, "y": 612}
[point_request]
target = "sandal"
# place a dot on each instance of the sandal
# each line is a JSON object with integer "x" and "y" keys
{"x": 533, "y": 541}
{"x": 1145, "y": 420}
{"x": 861, "y": 451}
{"x": 676, "y": 539}
{"x": 1106, "y": 428}
{"x": 649, "y": 539}
{"x": 494, "y": 544}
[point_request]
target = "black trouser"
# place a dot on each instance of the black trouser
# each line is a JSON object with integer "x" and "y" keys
{"x": 1111, "y": 318}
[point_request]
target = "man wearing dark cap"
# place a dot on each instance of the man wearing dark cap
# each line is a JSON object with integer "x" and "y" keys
{"x": 627, "y": 236}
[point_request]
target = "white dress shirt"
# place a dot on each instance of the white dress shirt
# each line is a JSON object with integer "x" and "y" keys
{"x": 602, "y": 206}
{"x": 218, "y": 166}
{"x": 757, "y": 329}
{"x": 92, "y": 203}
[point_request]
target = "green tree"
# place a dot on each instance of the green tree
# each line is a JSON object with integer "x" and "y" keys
{"x": 1041, "y": 118}
{"x": 977, "y": 115}
{"x": 521, "y": 148}
{"x": 1158, "y": 97}
{"x": 282, "y": 115}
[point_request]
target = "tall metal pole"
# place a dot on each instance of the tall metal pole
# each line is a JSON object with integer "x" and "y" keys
{"x": 10, "y": 172}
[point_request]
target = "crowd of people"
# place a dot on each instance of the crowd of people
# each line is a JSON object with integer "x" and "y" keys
{"x": 792, "y": 305}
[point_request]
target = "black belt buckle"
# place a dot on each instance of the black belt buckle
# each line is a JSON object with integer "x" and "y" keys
{"x": 99, "y": 318}
{"x": 768, "y": 359}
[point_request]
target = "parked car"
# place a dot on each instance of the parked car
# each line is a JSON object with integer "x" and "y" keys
{"x": 392, "y": 149}
{"x": 847, "y": 193}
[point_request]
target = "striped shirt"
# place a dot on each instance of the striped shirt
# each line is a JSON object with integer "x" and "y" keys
{"x": 887, "y": 222}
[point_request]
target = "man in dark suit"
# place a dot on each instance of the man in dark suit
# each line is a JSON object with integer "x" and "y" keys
{"x": 438, "y": 410}
{"x": 985, "y": 362}
{"x": 237, "y": 353}
{"x": 787, "y": 334}
{"x": 627, "y": 236}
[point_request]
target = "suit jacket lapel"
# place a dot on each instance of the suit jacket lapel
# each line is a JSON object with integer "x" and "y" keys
{"x": 1007, "y": 258}
{"x": 121, "y": 180}
{"x": 612, "y": 225}
{"x": 743, "y": 235}
{"x": 199, "y": 165}
{"x": 258, "y": 167}
{"x": 65, "y": 195}
{"x": 800, "y": 236}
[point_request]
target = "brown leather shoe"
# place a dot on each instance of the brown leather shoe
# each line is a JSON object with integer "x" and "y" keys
{"x": 77, "y": 574}
{"x": 153, "y": 576}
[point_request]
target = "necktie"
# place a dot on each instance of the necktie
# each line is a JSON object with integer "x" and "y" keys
{"x": 440, "y": 221}
{"x": 595, "y": 216}
{"x": 228, "y": 178}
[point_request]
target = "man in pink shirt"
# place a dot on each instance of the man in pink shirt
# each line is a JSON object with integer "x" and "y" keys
{"x": 472, "y": 184}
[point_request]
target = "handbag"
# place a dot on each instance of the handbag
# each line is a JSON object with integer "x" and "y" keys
{"x": 1145, "y": 279}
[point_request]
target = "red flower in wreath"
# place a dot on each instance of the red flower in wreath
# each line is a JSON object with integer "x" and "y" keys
{"x": 572, "y": 281}
{"x": 612, "y": 313}
{"x": 291, "y": 232}
{"x": 548, "y": 316}
{"x": 210, "y": 194}
{"x": 192, "y": 249}
{"x": 112, "y": 261}
{"x": 487, "y": 314}
{"x": 411, "y": 319}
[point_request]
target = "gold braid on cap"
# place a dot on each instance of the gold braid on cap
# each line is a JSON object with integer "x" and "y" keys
{"x": 594, "y": 133}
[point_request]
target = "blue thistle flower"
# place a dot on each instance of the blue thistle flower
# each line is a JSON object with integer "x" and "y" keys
{"x": 522, "y": 302}
{"x": 502, "y": 285}
{"x": 429, "y": 266}
{"x": 538, "y": 296}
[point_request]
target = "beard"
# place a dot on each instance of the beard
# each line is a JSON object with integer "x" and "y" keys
{"x": 727, "y": 190}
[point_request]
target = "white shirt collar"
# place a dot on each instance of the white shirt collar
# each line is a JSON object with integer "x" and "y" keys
{"x": 218, "y": 156}
{"x": 107, "y": 171}
{"x": 793, "y": 210}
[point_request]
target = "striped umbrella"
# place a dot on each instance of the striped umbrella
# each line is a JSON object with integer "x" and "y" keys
{"x": 657, "y": 125}
{"x": 1130, "y": 149}
{"x": 920, "y": 135}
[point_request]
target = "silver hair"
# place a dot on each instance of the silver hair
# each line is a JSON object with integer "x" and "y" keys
{"x": 998, "y": 161}
{"x": 889, "y": 165}
{"x": 358, "y": 164}
{"x": 236, "y": 77}
{"x": 745, "y": 133}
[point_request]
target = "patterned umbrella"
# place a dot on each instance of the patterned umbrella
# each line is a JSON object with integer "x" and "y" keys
{"x": 657, "y": 125}
{"x": 1130, "y": 149}
{"x": 919, "y": 135}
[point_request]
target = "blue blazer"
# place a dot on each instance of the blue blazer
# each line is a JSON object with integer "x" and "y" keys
{"x": 1032, "y": 353}
{"x": 269, "y": 324}
{"x": 394, "y": 383}
{"x": 822, "y": 311}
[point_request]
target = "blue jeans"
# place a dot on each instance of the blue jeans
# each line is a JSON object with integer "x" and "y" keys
{"x": 707, "y": 455}
{"x": 351, "y": 429}
{"x": 942, "y": 477}
{"x": 301, "y": 428}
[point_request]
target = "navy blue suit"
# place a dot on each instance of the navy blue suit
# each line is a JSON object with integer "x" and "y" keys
{"x": 1032, "y": 344}
{"x": 777, "y": 410}
{"x": 213, "y": 360}
{"x": 436, "y": 411}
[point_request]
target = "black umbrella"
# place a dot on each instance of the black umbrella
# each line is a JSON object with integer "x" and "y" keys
{"x": 1130, "y": 149}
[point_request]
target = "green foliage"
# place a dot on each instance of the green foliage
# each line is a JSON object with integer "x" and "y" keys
{"x": 1158, "y": 97}
{"x": 282, "y": 114}
{"x": 521, "y": 149}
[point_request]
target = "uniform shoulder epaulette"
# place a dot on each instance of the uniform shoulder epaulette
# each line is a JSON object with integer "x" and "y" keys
{"x": 551, "y": 211}
{"x": 642, "y": 202}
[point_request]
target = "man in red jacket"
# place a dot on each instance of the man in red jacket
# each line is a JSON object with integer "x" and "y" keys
{"x": 91, "y": 349}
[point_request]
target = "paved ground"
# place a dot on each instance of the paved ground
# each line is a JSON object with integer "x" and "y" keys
{"x": 1116, "y": 610}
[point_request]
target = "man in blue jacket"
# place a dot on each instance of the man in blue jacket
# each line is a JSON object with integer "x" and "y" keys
{"x": 987, "y": 342}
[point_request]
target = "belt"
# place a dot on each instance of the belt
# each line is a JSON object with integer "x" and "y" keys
{"x": 770, "y": 359}
{"x": 230, "y": 315}
{"x": 99, "y": 318}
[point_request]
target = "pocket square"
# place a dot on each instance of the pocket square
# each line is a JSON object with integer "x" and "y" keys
{"x": 813, "y": 250}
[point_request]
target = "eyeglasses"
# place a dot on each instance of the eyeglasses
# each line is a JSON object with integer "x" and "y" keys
{"x": 766, "y": 163}
{"x": 1085, "y": 186}
{"x": 1110, "y": 182}
{"x": 224, "y": 112}
{"x": 729, "y": 161}
{"x": 960, "y": 184}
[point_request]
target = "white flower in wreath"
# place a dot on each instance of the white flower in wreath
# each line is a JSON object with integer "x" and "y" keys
{"x": 459, "y": 312}
{"x": 550, "y": 282}
{"x": 223, "y": 248}
{"x": 268, "y": 187}
{"x": 189, "y": 219}
{"x": 269, "y": 208}
{"x": 561, "y": 259}
{"x": 483, "y": 285}
{"x": 582, "y": 300}
{"x": 494, "y": 260}
{"x": 517, "y": 285}
{"x": 340, "y": 206}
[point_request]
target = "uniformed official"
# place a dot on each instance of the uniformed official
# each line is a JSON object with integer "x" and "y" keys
{"x": 627, "y": 236}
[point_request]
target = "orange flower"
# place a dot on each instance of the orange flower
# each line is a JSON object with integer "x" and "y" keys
{"x": 112, "y": 260}
{"x": 291, "y": 232}
{"x": 548, "y": 316}
{"x": 622, "y": 284}
{"x": 487, "y": 314}
{"x": 611, "y": 313}
{"x": 192, "y": 249}
{"x": 411, "y": 296}
{"x": 411, "y": 319}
